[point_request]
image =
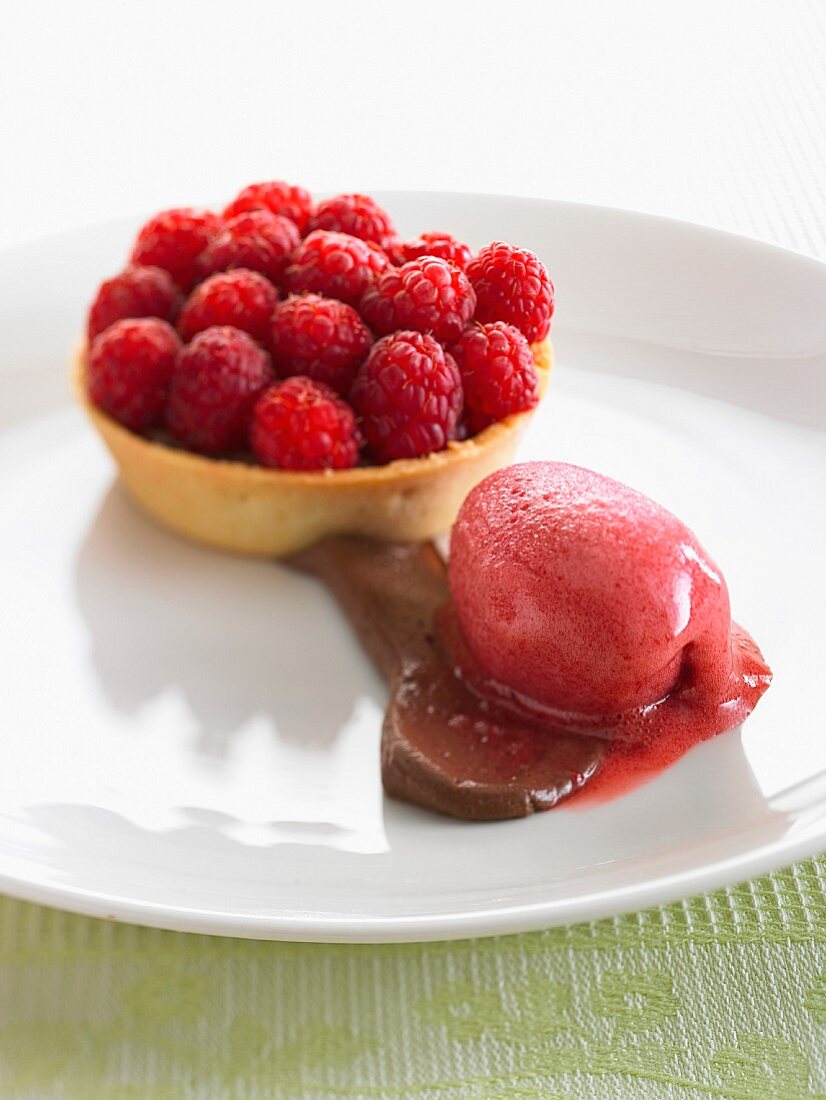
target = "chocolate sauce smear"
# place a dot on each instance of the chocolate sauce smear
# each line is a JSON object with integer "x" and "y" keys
{"x": 443, "y": 747}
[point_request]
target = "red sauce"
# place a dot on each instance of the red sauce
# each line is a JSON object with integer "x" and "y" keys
{"x": 637, "y": 745}
{"x": 682, "y": 722}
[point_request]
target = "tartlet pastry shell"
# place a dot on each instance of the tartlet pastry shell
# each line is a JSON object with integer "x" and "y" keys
{"x": 248, "y": 509}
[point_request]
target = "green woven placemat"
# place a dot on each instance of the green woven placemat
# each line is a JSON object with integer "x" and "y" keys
{"x": 723, "y": 995}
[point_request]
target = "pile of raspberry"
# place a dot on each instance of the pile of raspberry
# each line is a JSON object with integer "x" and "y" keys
{"x": 309, "y": 336}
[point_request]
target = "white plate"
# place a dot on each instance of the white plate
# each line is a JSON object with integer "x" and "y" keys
{"x": 191, "y": 740}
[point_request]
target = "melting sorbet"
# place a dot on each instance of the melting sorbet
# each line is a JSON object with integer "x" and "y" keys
{"x": 585, "y": 642}
{"x": 584, "y": 602}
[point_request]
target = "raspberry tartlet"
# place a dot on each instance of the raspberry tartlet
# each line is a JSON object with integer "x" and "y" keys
{"x": 286, "y": 371}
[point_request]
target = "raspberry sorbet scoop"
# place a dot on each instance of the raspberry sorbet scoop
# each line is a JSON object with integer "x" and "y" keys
{"x": 582, "y": 599}
{"x": 587, "y": 645}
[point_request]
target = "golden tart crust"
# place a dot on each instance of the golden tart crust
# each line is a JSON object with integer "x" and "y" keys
{"x": 249, "y": 509}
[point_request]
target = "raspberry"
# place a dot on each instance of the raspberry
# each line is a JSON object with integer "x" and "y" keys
{"x": 429, "y": 295}
{"x": 409, "y": 396}
{"x": 129, "y": 369}
{"x": 216, "y": 382}
{"x": 498, "y": 373}
{"x": 173, "y": 240}
{"x": 321, "y": 338}
{"x": 276, "y": 196}
{"x": 241, "y": 298}
{"x": 358, "y": 215}
{"x": 257, "y": 240}
{"x": 442, "y": 245}
{"x": 512, "y": 285}
{"x": 336, "y": 265}
{"x": 135, "y": 292}
{"x": 300, "y": 424}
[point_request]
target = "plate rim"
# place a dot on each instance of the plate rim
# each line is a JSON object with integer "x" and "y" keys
{"x": 473, "y": 196}
{"x": 505, "y": 920}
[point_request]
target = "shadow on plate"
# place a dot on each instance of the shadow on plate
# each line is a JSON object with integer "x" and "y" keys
{"x": 237, "y": 638}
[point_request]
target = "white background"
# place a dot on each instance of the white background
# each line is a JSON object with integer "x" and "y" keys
{"x": 714, "y": 112}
